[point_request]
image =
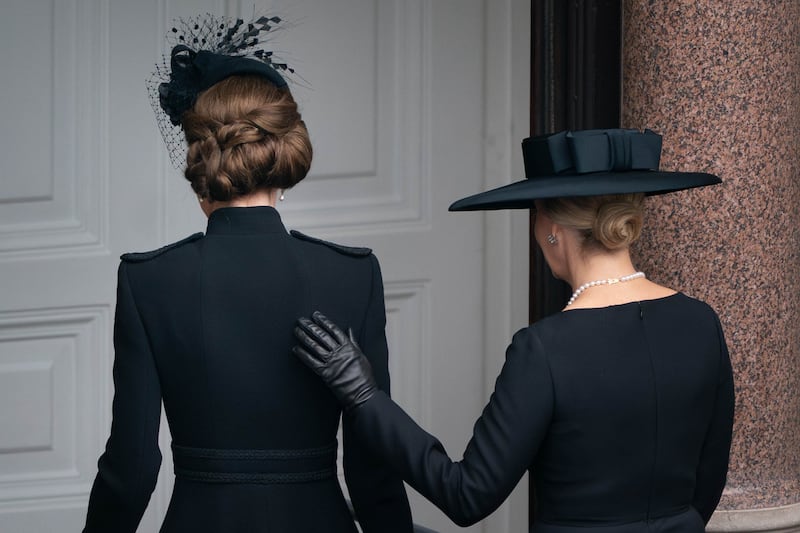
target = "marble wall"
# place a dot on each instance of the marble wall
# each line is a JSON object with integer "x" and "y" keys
{"x": 720, "y": 80}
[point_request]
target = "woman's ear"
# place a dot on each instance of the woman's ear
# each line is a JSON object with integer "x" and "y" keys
{"x": 555, "y": 232}
{"x": 205, "y": 205}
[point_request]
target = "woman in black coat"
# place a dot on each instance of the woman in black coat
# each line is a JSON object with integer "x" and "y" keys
{"x": 205, "y": 325}
{"x": 620, "y": 406}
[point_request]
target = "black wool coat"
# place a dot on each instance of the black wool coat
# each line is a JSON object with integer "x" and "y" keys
{"x": 206, "y": 326}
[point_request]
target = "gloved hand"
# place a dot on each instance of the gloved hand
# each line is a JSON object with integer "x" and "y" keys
{"x": 336, "y": 358}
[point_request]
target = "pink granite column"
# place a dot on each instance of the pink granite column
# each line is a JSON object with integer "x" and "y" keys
{"x": 720, "y": 79}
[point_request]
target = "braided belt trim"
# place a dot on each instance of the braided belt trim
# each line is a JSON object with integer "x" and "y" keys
{"x": 255, "y": 477}
{"x": 215, "y": 465}
{"x": 216, "y": 453}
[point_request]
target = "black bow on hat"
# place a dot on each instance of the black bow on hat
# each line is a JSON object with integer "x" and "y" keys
{"x": 587, "y": 163}
{"x": 193, "y": 72}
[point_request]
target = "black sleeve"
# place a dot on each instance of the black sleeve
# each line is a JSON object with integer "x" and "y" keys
{"x": 713, "y": 466}
{"x": 377, "y": 492}
{"x": 128, "y": 470}
{"x": 504, "y": 442}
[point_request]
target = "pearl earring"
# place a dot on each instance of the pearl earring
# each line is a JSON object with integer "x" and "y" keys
{"x": 551, "y": 238}
{"x": 281, "y": 196}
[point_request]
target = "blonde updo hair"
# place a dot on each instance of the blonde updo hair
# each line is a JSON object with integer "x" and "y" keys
{"x": 244, "y": 134}
{"x": 612, "y": 221}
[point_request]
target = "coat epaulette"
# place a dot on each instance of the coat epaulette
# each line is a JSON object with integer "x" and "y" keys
{"x": 354, "y": 251}
{"x": 138, "y": 257}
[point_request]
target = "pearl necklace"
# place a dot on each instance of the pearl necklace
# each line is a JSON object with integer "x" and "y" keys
{"x": 609, "y": 281}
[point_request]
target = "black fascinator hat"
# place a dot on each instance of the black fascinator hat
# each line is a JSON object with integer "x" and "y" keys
{"x": 206, "y": 50}
{"x": 587, "y": 163}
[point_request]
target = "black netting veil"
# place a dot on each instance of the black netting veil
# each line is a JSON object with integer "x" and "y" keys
{"x": 204, "y": 50}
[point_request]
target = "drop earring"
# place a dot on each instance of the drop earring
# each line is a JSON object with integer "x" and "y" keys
{"x": 281, "y": 197}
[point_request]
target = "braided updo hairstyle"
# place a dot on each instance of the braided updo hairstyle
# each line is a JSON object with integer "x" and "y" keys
{"x": 244, "y": 134}
{"x": 612, "y": 221}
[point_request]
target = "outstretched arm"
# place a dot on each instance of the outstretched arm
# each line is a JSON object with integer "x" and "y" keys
{"x": 505, "y": 438}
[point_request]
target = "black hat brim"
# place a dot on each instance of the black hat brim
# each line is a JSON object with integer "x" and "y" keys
{"x": 521, "y": 194}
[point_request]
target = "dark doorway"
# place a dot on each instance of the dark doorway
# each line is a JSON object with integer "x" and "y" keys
{"x": 576, "y": 83}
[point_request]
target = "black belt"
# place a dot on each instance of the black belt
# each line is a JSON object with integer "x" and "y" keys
{"x": 215, "y": 465}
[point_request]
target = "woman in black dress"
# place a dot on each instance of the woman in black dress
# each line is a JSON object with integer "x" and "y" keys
{"x": 205, "y": 324}
{"x": 621, "y": 406}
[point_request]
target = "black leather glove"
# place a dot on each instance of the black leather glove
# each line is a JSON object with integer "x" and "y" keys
{"x": 336, "y": 358}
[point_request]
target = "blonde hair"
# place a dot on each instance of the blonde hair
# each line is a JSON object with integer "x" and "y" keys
{"x": 244, "y": 133}
{"x": 612, "y": 221}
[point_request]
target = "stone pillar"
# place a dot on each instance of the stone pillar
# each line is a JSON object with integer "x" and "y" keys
{"x": 720, "y": 79}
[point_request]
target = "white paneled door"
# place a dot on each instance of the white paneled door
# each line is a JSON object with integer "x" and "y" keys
{"x": 403, "y": 120}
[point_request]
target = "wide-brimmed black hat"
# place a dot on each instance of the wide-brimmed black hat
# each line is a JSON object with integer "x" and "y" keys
{"x": 587, "y": 163}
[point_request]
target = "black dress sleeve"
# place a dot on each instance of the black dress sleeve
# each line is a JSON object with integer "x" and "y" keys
{"x": 713, "y": 466}
{"x": 504, "y": 442}
{"x": 128, "y": 470}
{"x": 377, "y": 492}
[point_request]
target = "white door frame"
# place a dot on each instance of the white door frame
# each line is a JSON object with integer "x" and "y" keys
{"x": 506, "y": 232}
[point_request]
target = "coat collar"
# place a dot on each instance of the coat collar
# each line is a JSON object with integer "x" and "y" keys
{"x": 244, "y": 221}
